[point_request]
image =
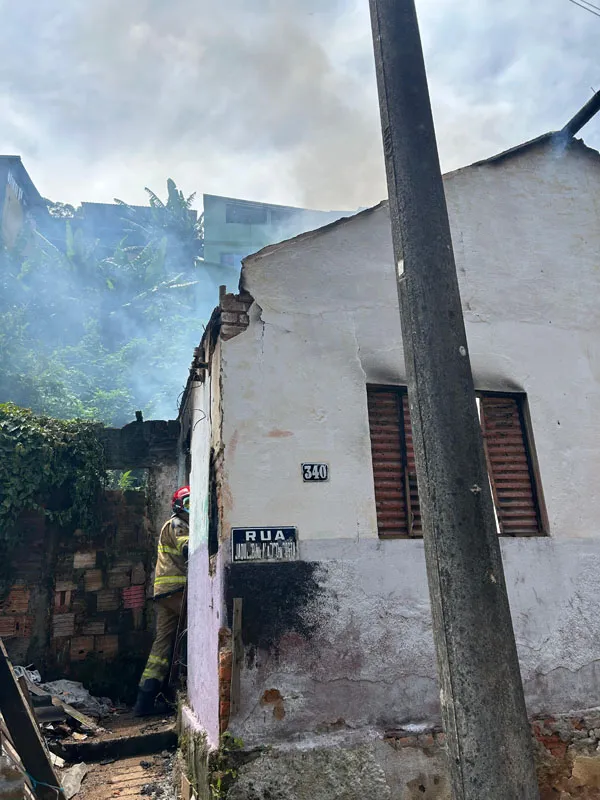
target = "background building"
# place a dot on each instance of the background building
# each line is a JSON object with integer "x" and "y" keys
{"x": 20, "y": 202}
{"x": 235, "y": 228}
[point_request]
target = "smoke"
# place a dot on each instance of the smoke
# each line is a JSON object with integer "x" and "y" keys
{"x": 270, "y": 100}
{"x": 267, "y": 100}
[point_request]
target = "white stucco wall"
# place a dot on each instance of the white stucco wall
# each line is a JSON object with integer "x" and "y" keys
{"x": 324, "y": 324}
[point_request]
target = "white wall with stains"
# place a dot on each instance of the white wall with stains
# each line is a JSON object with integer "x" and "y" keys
{"x": 324, "y": 324}
{"x": 202, "y": 417}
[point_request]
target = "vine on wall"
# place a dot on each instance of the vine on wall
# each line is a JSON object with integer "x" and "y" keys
{"x": 42, "y": 459}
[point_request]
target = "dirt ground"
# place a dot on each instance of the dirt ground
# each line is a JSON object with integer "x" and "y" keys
{"x": 146, "y": 776}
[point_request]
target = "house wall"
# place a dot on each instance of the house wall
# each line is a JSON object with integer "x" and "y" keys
{"x": 205, "y": 607}
{"x": 339, "y": 645}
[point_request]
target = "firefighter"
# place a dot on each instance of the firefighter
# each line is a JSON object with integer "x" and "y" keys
{"x": 169, "y": 583}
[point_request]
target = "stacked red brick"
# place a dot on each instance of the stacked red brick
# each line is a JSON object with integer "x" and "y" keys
{"x": 225, "y": 668}
{"x": 234, "y": 314}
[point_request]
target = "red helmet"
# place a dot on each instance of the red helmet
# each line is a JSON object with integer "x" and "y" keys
{"x": 181, "y": 500}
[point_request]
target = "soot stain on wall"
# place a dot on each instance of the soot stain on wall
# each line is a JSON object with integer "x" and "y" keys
{"x": 277, "y": 599}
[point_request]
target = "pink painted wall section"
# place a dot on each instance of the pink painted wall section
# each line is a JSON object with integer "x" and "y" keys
{"x": 203, "y": 643}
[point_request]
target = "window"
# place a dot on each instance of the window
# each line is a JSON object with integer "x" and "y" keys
{"x": 246, "y": 214}
{"x": 281, "y": 216}
{"x": 508, "y": 453}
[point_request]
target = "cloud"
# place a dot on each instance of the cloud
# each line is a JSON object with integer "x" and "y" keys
{"x": 271, "y": 99}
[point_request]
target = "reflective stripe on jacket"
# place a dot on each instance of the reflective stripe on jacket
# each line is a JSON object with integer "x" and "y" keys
{"x": 171, "y": 563}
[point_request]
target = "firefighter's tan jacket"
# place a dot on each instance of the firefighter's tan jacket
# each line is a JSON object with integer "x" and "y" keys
{"x": 171, "y": 564}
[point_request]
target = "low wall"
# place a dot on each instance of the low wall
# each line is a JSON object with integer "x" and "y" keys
{"x": 78, "y": 606}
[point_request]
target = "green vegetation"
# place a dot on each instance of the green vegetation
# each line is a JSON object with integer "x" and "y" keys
{"x": 225, "y": 764}
{"x": 94, "y": 333}
{"x": 48, "y": 465}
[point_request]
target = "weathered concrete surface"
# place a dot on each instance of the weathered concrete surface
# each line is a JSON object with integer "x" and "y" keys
{"x": 162, "y": 482}
{"x": 140, "y": 445}
{"x": 408, "y": 766}
{"x": 291, "y": 388}
{"x": 343, "y": 768}
{"x": 366, "y": 654}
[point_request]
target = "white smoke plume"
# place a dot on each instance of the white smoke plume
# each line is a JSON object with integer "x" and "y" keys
{"x": 271, "y": 100}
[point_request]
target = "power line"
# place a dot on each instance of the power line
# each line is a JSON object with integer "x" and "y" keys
{"x": 587, "y": 6}
{"x": 590, "y": 4}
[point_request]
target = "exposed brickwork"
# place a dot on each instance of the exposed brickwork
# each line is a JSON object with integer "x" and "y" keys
{"x": 94, "y": 628}
{"x": 567, "y": 752}
{"x": 107, "y": 600}
{"x": 17, "y": 601}
{"x": 93, "y": 580}
{"x": 568, "y": 755}
{"x": 234, "y": 314}
{"x": 119, "y": 578}
{"x": 134, "y": 597}
{"x": 225, "y": 667}
{"x": 88, "y": 598}
{"x": 81, "y": 647}
{"x": 84, "y": 559}
{"x": 63, "y": 625}
{"x": 106, "y": 646}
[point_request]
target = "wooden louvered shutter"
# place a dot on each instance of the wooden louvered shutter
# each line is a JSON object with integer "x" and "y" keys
{"x": 389, "y": 462}
{"x": 415, "y": 526}
{"x": 509, "y": 466}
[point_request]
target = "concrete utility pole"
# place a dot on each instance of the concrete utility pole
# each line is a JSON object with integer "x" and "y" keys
{"x": 489, "y": 740}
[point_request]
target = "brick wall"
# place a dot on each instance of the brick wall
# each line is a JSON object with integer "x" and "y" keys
{"x": 23, "y": 610}
{"x": 234, "y": 313}
{"x": 78, "y": 603}
{"x": 225, "y": 667}
{"x": 100, "y": 587}
{"x": 567, "y": 753}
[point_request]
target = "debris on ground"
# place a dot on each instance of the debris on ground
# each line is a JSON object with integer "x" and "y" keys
{"x": 123, "y": 736}
{"x": 98, "y": 749}
{"x": 127, "y": 778}
{"x": 74, "y": 694}
{"x": 72, "y": 778}
{"x": 33, "y": 676}
{"x": 57, "y": 761}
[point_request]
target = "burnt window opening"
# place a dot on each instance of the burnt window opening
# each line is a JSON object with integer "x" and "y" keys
{"x": 213, "y": 507}
{"x": 510, "y": 458}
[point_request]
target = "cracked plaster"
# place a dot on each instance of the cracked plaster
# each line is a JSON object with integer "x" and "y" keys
{"x": 325, "y": 321}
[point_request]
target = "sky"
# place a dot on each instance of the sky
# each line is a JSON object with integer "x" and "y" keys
{"x": 270, "y": 100}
